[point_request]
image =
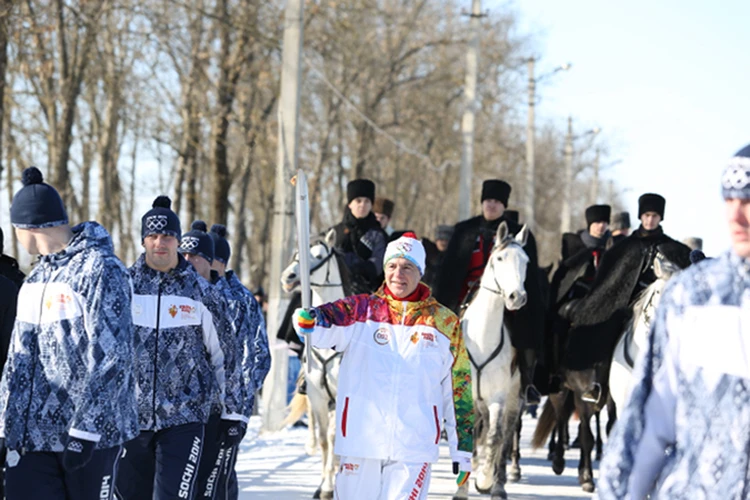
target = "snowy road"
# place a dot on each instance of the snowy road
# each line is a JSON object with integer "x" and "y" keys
{"x": 275, "y": 466}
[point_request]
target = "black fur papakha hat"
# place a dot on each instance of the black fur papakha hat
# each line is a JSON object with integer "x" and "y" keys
{"x": 651, "y": 202}
{"x": 383, "y": 206}
{"x": 512, "y": 215}
{"x": 598, "y": 213}
{"x": 620, "y": 220}
{"x": 357, "y": 188}
{"x": 495, "y": 189}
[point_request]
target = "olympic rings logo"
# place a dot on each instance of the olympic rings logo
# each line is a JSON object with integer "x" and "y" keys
{"x": 156, "y": 222}
{"x": 189, "y": 243}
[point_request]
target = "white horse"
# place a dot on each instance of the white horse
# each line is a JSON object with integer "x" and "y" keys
{"x": 496, "y": 384}
{"x": 327, "y": 285}
{"x": 635, "y": 337}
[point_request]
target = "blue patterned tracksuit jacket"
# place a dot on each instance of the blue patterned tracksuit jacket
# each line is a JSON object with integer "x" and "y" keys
{"x": 685, "y": 431}
{"x": 256, "y": 360}
{"x": 227, "y": 308}
{"x": 179, "y": 359}
{"x": 70, "y": 367}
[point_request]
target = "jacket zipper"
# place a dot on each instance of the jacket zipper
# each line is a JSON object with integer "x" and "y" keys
{"x": 156, "y": 351}
{"x": 35, "y": 353}
{"x": 397, "y": 377}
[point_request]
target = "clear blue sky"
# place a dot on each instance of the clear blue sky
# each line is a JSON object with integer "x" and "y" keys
{"x": 667, "y": 81}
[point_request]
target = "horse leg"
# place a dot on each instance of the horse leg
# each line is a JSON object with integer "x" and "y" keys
{"x": 484, "y": 477}
{"x": 509, "y": 423}
{"x": 311, "y": 446}
{"x": 551, "y": 445}
{"x": 515, "y": 455}
{"x": 598, "y": 436}
{"x": 561, "y": 404}
{"x": 585, "y": 472}
{"x": 329, "y": 458}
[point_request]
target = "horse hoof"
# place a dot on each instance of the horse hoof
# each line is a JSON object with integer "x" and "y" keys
{"x": 551, "y": 456}
{"x": 499, "y": 495}
{"x": 514, "y": 476}
{"x": 558, "y": 466}
{"x": 588, "y": 486}
{"x": 317, "y": 493}
{"x": 483, "y": 491}
{"x": 458, "y": 497}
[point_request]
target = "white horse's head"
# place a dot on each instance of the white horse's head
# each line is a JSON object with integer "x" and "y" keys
{"x": 505, "y": 272}
{"x": 644, "y": 308}
{"x": 320, "y": 253}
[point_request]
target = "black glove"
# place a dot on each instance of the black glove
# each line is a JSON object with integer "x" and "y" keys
{"x": 231, "y": 432}
{"x": 455, "y": 467}
{"x": 78, "y": 453}
{"x": 567, "y": 310}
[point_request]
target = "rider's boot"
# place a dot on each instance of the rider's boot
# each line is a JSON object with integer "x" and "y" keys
{"x": 527, "y": 362}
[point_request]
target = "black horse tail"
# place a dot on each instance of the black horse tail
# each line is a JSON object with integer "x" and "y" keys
{"x": 544, "y": 425}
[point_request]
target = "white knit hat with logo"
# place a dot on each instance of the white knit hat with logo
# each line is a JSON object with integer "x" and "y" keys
{"x": 407, "y": 247}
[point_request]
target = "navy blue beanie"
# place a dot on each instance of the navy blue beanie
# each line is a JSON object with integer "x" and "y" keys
{"x": 222, "y": 250}
{"x": 161, "y": 219}
{"x": 37, "y": 205}
{"x": 198, "y": 242}
{"x": 735, "y": 181}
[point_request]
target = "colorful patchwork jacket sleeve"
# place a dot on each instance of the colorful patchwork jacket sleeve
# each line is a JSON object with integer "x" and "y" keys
{"x": 457, "y": 395}
{"x": 337, "y": 321}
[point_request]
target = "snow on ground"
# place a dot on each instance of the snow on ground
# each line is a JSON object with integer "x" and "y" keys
{"x": 275, "y": 466}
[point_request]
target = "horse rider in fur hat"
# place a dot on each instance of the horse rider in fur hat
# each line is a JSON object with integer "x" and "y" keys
{"x": 404, "y": 378}
{"x": 685, "y": 431}
{"x": 626, "y": 269}
{"x": 360, "y": 238}
{"x": 466, "y": 257}
{"x": 582, "y": 253}
{"x": 620, "y": 226}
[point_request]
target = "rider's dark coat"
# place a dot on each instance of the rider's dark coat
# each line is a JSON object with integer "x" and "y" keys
{"x": 525, "y": 325}
{"x": 625, "y": 270}
{"x": 572, "y": 279}
{"x": 362, "y": 242}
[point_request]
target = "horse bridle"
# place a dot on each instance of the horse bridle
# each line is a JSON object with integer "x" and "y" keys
{"x": 326, "y": 261}
{"x": 499, "y": 290}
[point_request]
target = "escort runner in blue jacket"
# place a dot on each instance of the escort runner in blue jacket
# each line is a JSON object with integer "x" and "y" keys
{"x": 220, "y": 434}
{"x": 179, "y": 365}
{"x": 685, "y": 431}
{"x": 67, "y": 397}
{"x": 249, "y": 327}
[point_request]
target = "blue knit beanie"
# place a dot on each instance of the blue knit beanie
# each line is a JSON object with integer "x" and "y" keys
{"x": 36, "y": 204}
{"x": 222, "y": 251}
{"x": 735, "y": 182}
{"x": 198, "y": 242}
{"x": 161, "y": 219}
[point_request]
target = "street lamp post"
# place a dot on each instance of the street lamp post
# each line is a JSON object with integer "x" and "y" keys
{"x": 529, "y": 198}
{"x": 568, "y": 186}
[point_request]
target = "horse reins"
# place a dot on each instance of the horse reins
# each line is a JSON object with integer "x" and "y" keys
{"x": 325, "y": 362}
{"x": 481, "y": 367}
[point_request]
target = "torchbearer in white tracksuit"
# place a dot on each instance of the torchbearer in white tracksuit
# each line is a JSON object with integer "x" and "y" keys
{"x": 404, "y": 378}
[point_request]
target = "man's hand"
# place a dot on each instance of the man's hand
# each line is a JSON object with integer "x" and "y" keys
{"x": 78, "y": 453}
{"x": 231, "y": 432}
{"x": 304, "y": 320}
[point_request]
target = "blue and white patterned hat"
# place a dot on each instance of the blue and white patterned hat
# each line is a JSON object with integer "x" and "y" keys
{"x": 735, "y": 182}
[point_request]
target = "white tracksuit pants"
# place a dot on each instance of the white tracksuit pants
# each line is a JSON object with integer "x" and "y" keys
{"x": 369, "y": 479}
